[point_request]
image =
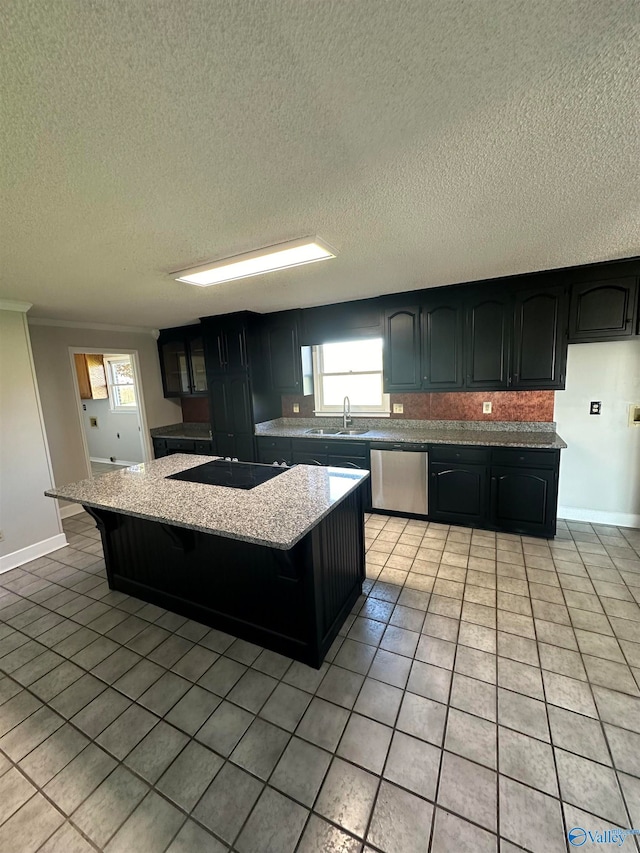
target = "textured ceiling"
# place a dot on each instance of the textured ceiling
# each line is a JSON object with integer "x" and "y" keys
{"x": 430, "y": 142}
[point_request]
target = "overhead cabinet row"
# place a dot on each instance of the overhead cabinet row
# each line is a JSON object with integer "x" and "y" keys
{"x": 485, "y": 339}
{"x": 507, "y": 334}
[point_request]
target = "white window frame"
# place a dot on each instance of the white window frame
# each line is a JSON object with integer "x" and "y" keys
{"x": 324, "y": 410}
{"x": 115, "y": 407}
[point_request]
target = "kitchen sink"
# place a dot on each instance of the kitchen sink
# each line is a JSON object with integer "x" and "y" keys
{"x": 317, "y": 431}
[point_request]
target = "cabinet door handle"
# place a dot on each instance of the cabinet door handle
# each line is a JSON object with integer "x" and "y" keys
{"x": 220, "y": 359}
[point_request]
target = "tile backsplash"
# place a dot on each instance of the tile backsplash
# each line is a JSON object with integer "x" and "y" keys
{"x": 195, "y": 410}
{"x": 455, "y": 406}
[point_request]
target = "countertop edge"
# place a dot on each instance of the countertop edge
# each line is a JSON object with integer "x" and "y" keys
{"x": 553, "y": 442}
{"x": 474, "y": 437}
{"x": 282, "y": 545}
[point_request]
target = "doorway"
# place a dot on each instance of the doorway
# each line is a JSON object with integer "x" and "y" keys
{"x": 109, "y": 398}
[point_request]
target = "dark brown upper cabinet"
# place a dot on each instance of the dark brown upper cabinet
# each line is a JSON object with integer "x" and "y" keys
{"x": 289, "y": 366}
{"x": 488, "y": 340}
{"x": 182, "y": 364}
{"x": 539, "y": 353}
{"x": 347, "y": 321}
{"x": 401, "y": 353}
{"x": 442, "y": 329}
{"x": 226, "y": 343}
{"x": 603, "y": 310}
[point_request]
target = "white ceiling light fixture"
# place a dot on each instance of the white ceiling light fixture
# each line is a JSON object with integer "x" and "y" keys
{"x": 295, "y": 253}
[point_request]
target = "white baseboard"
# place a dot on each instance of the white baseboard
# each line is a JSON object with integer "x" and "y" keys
{"x": 595, "y": 516}
{"x": 109, "y": 462}
{"x": 72, "y": 509}
{"x": 32, "y": 552}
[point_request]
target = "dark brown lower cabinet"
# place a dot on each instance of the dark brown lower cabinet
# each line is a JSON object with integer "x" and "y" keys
{"x": 272, "y": 450}
{"x": 235, "y": 445}
{"x": 197, "y": 446}
{"x": 523, "y": 500}
{"x": 458, "y": 492}
{"x": 517, "y": 491}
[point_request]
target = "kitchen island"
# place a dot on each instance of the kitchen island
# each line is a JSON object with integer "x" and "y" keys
{"x": 280, "y": 564}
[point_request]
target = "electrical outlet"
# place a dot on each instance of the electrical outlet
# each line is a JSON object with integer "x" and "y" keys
{"x": 296, "y": 408}
{"x": 398, "y": 408}
{"x": 595, "y": 407}
{"x": 486, "y": 408}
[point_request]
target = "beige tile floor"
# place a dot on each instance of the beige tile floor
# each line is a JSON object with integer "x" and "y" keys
{"x": 484, "y": 695}
{"x": 98, "y": 468}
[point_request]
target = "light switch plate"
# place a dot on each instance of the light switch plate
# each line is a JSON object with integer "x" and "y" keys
{"x": 486, "y": 408}
{"x": 296, "y": 408}
{"x": 398, "y": 408}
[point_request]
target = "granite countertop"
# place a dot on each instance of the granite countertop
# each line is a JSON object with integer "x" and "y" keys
{"x": 496, "y": 434}
{"x": 277, "y": 513}
{"x": 198, "y": 431}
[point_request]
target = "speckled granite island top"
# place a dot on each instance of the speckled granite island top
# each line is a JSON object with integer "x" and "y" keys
{"x": 498, "y": 434}
{"x": 277, "y": 513}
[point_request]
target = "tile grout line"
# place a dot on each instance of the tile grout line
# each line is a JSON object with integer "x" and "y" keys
{"x": 420, "y": 634}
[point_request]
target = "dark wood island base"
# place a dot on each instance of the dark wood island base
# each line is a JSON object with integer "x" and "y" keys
{"x": 290, "y": 601}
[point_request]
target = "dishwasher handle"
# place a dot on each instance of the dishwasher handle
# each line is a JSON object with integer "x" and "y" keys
{"x": 401, "y": 446}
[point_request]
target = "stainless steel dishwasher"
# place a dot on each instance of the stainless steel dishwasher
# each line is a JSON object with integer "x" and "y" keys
{"x": 399, "y": 477}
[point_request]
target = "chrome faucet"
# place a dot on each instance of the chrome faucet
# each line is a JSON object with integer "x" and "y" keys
{"x": 346, "y": 413}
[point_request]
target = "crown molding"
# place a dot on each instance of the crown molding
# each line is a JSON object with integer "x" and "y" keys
{"x": 14, "y": 305}
{"x": 104, "y": 327}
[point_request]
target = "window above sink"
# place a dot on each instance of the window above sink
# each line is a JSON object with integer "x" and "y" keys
{"x": 352, "y": 369}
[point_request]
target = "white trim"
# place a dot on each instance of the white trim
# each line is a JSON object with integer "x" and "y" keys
{"x": 43, "y": 430}
{"x": 596, "y": 516}
{"x": 32, "y": 552}
{"x": 14, "y": 305}
{"x": 105, "y": 327}
{"x": 109, "y": 462}
{"x": 71, "y": 509}
{"x": 355, "y": 414}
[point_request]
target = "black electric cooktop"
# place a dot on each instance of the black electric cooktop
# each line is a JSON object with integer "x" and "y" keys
{"x": 234, "y": 475}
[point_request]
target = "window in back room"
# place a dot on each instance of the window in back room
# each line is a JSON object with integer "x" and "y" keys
{"x": 121, "y": 387}
{"x": 352, "y": 369}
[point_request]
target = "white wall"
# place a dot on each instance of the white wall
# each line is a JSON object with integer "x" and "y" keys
{"x": 53, "y": 369}
{"x": 600, "y": 469}
{"x": 117, "y": 433}
{"x": 29, "y": 521}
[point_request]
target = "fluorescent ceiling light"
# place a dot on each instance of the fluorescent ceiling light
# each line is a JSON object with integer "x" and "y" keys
{"x": 307, "y": 250}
